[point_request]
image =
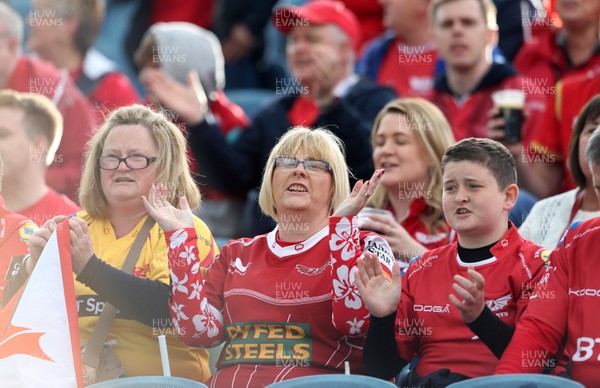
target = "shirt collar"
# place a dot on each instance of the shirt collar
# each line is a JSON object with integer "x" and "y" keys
{"x": 343, "y": 87}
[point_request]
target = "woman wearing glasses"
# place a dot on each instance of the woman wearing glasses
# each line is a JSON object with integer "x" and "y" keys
{"x": 134, "y": 150}
{"x": 284, "y": 303}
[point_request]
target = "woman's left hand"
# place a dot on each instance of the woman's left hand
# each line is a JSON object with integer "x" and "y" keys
{"x": 81, "y": 244}
{"x": 166, "y": 215}
{"x": 404, "y": 246}
{"x": 359, "y": 196}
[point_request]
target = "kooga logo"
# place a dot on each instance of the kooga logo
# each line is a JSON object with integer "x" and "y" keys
{"x": 585, "y": 292}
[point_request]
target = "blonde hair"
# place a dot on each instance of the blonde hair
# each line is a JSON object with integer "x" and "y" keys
{"x": 40, "y": 117}
{"x": 487, "y": 7}
{"x": 318, "y": 143}
{"x": 172, "y": 164}
{"x": 430, "y": 127}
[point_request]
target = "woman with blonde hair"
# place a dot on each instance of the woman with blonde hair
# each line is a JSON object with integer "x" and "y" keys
{"x": 134, "y": 151}
{"x": 285, "y": 303}
{"x": 409, "y": 138}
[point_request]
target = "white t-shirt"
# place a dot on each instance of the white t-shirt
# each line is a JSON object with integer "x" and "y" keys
{"x": 549, "y": 218}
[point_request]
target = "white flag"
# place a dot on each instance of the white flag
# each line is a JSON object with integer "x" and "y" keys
{"x": 39, "y": 329}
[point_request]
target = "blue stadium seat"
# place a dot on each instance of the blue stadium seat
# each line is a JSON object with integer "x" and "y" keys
{"x": 149, "y": 381}
{"x": 518, "y": 381}
{"x": 334, "y": 381}
{"x": 525, "y": 202}
{"x": 402, "y": 378}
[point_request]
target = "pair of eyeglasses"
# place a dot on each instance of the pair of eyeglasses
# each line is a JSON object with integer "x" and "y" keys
{"x": 132, "y": 162}
{"x": 310, "y": 165}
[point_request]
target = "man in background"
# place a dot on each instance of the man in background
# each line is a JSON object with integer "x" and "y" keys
{"x": 30, "y": 131}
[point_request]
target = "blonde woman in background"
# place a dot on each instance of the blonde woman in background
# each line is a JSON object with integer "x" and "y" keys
{"x": 409, "y": 138}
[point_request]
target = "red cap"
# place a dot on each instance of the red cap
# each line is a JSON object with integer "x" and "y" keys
{"x": 319, "y": 12}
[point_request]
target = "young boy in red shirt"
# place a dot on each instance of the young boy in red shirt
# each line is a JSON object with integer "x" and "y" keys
{"x": 479, "y": 190}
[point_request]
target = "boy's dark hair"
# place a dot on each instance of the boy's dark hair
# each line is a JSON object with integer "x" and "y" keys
{"x": 488, "y": 153}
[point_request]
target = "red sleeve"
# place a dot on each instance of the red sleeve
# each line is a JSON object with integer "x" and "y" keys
{"x": 63, "y": 174}
{"x": 535, "y": 265}
{"x": 535, "y": 101}
{"x": 197, "y": 321}
{"x": 114, "y": 91}
{"x": 545, "y": 134}
{"x": 550, "y": 300}
{"x": 532, "y": 348}
{"x": 532, "y": 61}
{"x": 229, "y": 114}
{"x": 349, "y": 314}
{"x": 197, "y": 12}
{"x": 539, "y": 333}
{"x": 522, "y": 59}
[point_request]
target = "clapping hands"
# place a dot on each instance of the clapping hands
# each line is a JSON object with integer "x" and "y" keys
{"x": 166, "y": 215}
{"x": 471, "y": 290}
{"x": 380, "y": 296}
{"x": 359, "y": 197}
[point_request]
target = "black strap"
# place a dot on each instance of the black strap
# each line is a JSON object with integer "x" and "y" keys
{"x": 91, "y": 354}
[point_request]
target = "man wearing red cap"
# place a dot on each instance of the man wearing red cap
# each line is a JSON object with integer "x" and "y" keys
{"x": 324, "y": 91}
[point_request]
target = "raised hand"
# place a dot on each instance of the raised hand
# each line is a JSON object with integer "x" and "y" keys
{"x": 359, "y": 196}
{"x": 497, "y": 131}
{"x": 403, "y": 245}
{"x": 495, "y": 124}
{"x": 471, "y": 290}
{"x": 81, "y": 244}
{"x": 189, "y": 100}
{"x": 166, "y": 215}
{"x": 39, "y": 239}
{"x": 380, "y": 296}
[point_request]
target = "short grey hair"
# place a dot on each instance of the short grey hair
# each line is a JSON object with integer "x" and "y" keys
{"x": 11, "y": 22}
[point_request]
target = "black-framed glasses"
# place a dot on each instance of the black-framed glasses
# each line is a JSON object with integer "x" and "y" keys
{"x": 310, "y": 165}
{"x": 135, "y": 162}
